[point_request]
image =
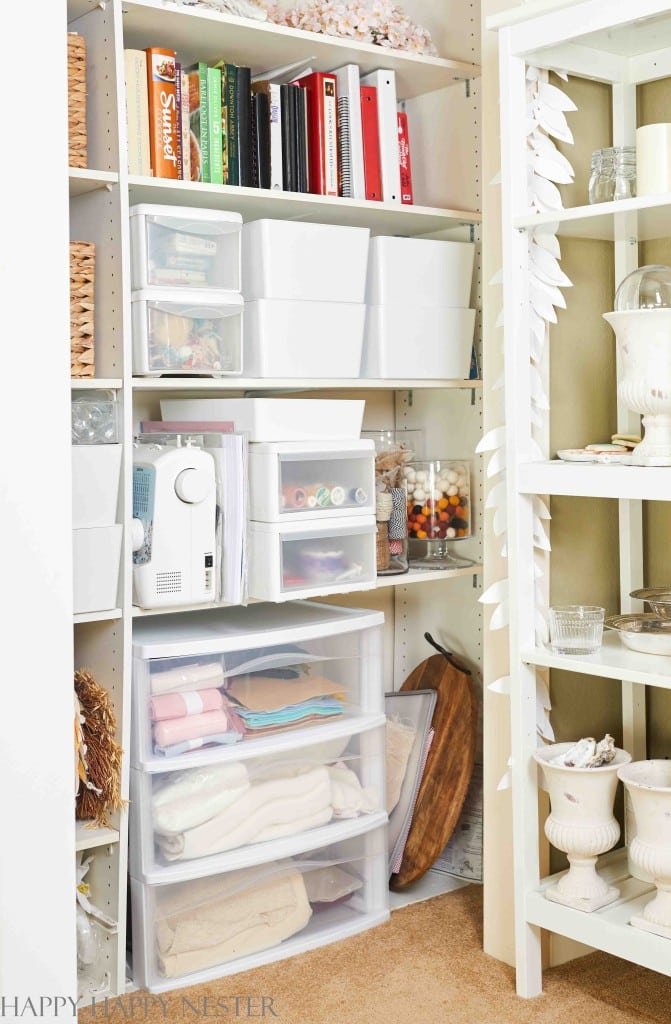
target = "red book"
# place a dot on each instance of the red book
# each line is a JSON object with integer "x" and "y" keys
{"x": 404, "y": 159}
{"x": 372, "y": 170}
{"x": 320, "y": 88}
{"x": 162, "y": 91}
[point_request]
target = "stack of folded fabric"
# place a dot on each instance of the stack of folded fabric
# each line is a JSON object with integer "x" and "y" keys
{"x": 268, "y": 704}
{"x": 188, "y": 711}
{"x": 208, "y": 810}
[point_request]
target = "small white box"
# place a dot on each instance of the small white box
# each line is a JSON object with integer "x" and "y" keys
{"x": 185, "y": 247}
{"x": 172, "y": 839}
{"x": 288, "y": 561}
{"x": 257, "y": 915}
{"x": 275, "y": 419}
{"x": 290, "y": 259}
{"x": 295, "y": 481}
{"x": 95, "y": 484}
{"x": 419, "y": 271}
{"x": 287, "y": 338}
{"x": 186, "y": 332}
{"x": 96, "y": 558}
{"x": 418, "y": 342}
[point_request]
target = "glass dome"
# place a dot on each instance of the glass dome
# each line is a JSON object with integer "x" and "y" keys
{"x": 646, "y": 288}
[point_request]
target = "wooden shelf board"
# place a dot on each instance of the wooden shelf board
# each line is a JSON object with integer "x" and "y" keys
{"x": 96, "y": 383}
{"x": 613, "y": 661}
{"x": 594, "y": 480}
{"x": 83, "y": 180}
{"x": 201, "y": 34}
{"x": 106, "y": 616}
{"x": 254, "y": 203}
{"x": 88, "y": 835}
{"x": 210, "y": 384}
{"x": 607, "y": 929}
{"x": 643, "y": 218}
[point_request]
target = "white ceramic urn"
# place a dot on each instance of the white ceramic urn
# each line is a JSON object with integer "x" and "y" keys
{"x": 648, "y": 784}
{"x": 581, "y": 824}
{"x": 644, "y": 354}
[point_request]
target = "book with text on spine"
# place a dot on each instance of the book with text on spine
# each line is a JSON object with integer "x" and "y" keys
{"x": 137, "y": 112}
{"x": 214, "y": 121}
{"x": 162, "y": 100}
{"x": 273, "y": 91}
{"x": 384, "y": 81}
{"x": 200, "y": 157}
{"x": 350, "y": 141}
{"x": 185, "y": 119}
{"x": 322, "y": 121}
{"x": 404, "y": 159}
{"x": 178, "y": 110}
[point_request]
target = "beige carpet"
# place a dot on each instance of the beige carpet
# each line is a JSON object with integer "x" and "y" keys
{"x": 425, "y": 966}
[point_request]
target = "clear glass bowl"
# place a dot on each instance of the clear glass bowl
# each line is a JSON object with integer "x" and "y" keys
{"x": 648, "y": 287}
{"x": 576, "y": 628}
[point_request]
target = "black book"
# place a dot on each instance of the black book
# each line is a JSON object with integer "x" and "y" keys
{"x": 262, "y": 132}
{"x": 302, "y": 134}
{"x": 245, "y": 141}
{"x": 289, "y": 167}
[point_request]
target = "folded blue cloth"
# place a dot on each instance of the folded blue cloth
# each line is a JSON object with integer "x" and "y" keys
{"x": 291, "y": 713}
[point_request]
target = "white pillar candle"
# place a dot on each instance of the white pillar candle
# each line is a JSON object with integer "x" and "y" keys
{"x": 653, "y": 159}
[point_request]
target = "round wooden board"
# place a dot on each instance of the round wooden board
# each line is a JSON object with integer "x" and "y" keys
{"x": 449, "y": 765}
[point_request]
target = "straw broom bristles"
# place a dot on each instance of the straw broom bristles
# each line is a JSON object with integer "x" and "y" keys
{"x": 103, "y": 753}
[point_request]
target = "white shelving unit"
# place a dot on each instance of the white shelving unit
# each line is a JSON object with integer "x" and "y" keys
{"x": 626, "y": 46}
{"x": 448, "y": 197}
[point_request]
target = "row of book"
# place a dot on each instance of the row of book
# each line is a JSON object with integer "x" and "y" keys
{"x": 293, "y": 129}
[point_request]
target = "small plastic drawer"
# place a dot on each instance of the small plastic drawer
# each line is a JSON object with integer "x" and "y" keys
{"x": 293, "y": 560}
{"x": 186, "y": 933}
{"x": 185, "y": 248}
{"x": 180, "y": 333}
{"x": 197, "y": 821}
{"x": 285, "y": 338}
{"x": 262, "y": 676}
{"x": 290, "y": 482}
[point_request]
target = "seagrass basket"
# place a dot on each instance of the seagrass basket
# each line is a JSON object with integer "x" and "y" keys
{"x": 77, "y": 138}
{"x": 82, "y": 308}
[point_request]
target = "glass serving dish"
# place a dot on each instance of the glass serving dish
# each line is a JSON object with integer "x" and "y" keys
{"x": 576, "y": 628}
{"x": 642, "y": 631}
{"x": 658, "y": 598}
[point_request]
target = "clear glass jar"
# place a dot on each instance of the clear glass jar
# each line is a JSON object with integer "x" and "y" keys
{"x": 393, "y": 452}
{"x": 595, "y": 169}
{"x": 439, "y": 511}
{"x": 624, "y": 172}
{"x": 605, "y": 182}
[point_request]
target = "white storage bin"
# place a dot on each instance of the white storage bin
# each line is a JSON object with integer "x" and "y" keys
{"x": 184, "y": 247}
{"x": 297, "y": 560}
{"x": 418, "y": 342}
{"x": 186, "y": 333}
{"x": 192, "y": 932}
{"x": 286, "y": 338}
{"x": 96, "y": 558}
{"x": 275, "y": 419}
{"x": 419, "y": 272}
{"x": 296, "y": 481}
{"x": 191, "y": 661}
{"x": 199, "y": 821}
{"x": 95, "y": 484}
{"x": 290, "y": 259}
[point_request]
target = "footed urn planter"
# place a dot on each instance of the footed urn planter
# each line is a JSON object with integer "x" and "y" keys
{"x": 581, "y": 824}
{"x": 648, "y": 784}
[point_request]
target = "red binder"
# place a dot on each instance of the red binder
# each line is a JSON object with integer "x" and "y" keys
{"x": 404, "y": 159}
{"x": 320, "y": 88}
{"x": 371, "y": 143}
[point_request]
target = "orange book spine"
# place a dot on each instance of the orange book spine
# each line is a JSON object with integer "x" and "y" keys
{"x": 162, "y": 94}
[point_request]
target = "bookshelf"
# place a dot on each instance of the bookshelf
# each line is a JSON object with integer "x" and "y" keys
{"x": 448, "y": 411}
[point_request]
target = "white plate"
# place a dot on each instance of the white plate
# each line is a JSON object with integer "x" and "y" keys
{"x": 649, "y": 634}
{"x": 584, "y": 455}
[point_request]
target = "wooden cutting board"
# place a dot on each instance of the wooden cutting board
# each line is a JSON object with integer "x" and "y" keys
{"x": 449, "y": 765}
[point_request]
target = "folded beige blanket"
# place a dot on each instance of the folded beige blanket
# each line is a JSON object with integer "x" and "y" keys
{"x": 195, "y": 795}
{"x": 210, "y": 921}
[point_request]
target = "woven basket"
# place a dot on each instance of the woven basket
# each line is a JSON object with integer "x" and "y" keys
{"x": 77, "y": 100}
{"x": 82, "y": 280}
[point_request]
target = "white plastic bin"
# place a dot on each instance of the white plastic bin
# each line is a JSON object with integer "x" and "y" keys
{"x": 193, "y": 660}
{"x": 186, "y": 333}
{"x": 419, "y": 272}
{"x": 290, "y": 259}
{"x": 95, "y": 484}
{"x": 275, "y": 419}
{"x": 199, "y": 821}
{"x": 418, "y": 342}
{"x": 299, "y": 560}
{"x": 96, "y": 559}
{"x": 191, "y": 932}
{"x": 286, "y": 338}
{"x": 294, "y": 481}
{"x": 185, "y": 247}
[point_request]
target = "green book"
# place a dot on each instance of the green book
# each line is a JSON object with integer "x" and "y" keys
{"x": 230, "y": 86}
{"x": 197, "y": 79}
{"x": 214, "y": 121}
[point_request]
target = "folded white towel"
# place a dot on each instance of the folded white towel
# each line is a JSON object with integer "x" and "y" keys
{"x": 195, "y": 795}
{"x": 348, "y": 796}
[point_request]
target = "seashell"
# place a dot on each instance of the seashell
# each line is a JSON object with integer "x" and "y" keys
{"x": 587, "y": 753}
{"x": 604, "y": 753}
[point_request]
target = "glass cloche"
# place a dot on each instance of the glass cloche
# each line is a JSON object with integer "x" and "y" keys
{"x": 646, "y": 288}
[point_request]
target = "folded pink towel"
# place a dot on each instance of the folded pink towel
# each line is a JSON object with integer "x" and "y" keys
{"x": 190, "y": 727}
{"x": 180, "y": 705}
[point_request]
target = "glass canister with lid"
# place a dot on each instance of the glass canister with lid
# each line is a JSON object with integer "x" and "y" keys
{"x": 393, "y": 451}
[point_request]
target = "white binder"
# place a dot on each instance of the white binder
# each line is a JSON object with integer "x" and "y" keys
{"x": 385, "y": 83}
{"x": 351, "y": 139}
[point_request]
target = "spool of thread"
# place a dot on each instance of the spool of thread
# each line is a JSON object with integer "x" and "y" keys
{"x": 653, "y": 159}
{"x": 318, "y": 496}
{"x": 338, "y": 496}
{"x": 381, "y": 547}
{"x": 294, "y": 497}
{"x": 357, "y": 496}
{"x": 384, "y": 506}
{"x": 398, "y": 521}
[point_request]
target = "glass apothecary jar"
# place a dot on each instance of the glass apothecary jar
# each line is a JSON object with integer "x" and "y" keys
{"x": 439, "y": 511}
{"x": 393, "y": 452}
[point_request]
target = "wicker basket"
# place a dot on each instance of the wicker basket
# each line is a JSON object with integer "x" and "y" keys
{"x": 77, "y": 138}
{"x": 82, "y": 281}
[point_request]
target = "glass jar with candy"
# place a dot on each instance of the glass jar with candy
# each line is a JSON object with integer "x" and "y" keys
{"x": 439, "y": 511}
